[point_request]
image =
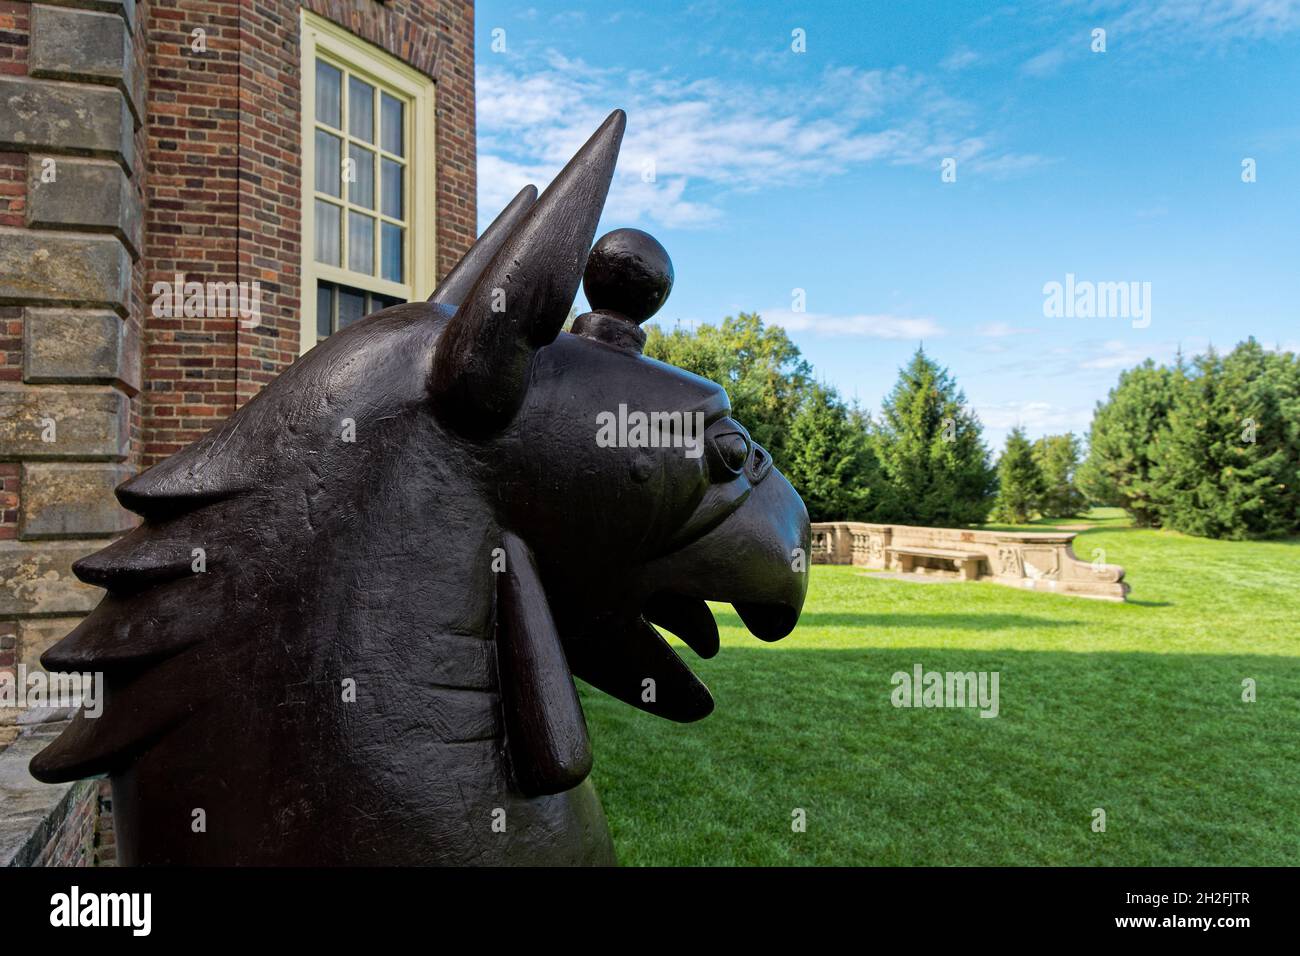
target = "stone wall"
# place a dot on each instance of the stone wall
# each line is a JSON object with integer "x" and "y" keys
{"x": 1033, "y": 560}
{"x": 68, "y": 824}
{"x": 127, "y": 156}
{"x": 72, "y": 162}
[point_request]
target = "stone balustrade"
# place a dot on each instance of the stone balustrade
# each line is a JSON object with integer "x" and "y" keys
{"x": 1034, "y": 560}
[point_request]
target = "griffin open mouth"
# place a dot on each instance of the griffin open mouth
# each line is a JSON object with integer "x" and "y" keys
{"x": 631, "y": 660}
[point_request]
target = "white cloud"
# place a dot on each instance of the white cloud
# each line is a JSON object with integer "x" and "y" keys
{"x": 1162, "y": 25}
{"x": 999, "y": 330}
{"x": 877, "y": 326}
{"x": 1116, "y": 354}
{"x": 689, "y": 143}
{"x": 1035, "y": 417}
{"x": 1209, "y": 22}
{"x": 1007, "y": 164}
{"x": 1045, "y": 63}
{"x": 959, "y": 59}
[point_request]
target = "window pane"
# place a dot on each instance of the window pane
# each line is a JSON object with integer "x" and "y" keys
{"x": 361, "y": 109}
{"x": 327, "y": 233}
{"x": 362, "y": 188}
{"x": 327, "y": 163}
{"x": 352, "y": 306}
{"x": 390, "y": 124}
{"x": 324, "y": 309}
{"x": 391, "y": 200}
{"x": 380, "y": 302}
{"x": 361, "y": 243}
{"x": 328, "y": 86}
{"x": 391, "y": 252}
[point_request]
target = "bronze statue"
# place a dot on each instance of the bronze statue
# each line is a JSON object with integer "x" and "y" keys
{"x": 346, "y": 630}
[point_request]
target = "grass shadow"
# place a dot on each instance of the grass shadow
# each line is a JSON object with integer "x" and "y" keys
{"x": 893, "y": 620}
{"x": 1187, "y": 773}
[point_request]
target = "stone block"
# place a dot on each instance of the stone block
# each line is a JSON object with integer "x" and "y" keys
{"x": 37, "y": 578}
{"x": 82, "y": 46}
{"x": 48, "y": 268}
{"x": 86, "y": 194}
{"x": 62, "y": 345}
{"x": 72, "y": 500}
{"x": 44, "y": 114}
{"x": 30, "y": 811}
{"x": 50, "y": 423}
{"x": 37, "y": 635}
{"x": 121, "y": 8}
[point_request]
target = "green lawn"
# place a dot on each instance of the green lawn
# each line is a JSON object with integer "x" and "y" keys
{"x": 1135, "y": 708}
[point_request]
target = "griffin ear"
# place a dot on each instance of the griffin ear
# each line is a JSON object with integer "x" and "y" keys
{"x": 456, "y": 285}
{"x": 521, "y": 298}
{"x": 546, "y": 734}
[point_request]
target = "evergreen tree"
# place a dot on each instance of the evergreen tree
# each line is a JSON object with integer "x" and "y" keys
{"x": 1058, "y": 460}
{"x": 827, "y": 458}
{"x": 1123, "y": 443}
{"x": 935, "y": 465}
{"x": 1229, "y": 464}
{"x": 1020, "y": 482}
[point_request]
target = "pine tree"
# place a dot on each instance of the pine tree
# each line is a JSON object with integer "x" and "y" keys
{"x": 1123, "y": 442}
{"x": 1020, "y": 482}
{"x": 1058, "y": 460}
{"x": 934, "y": 461}
{"x": 1230, "y": 459}
{"x": 827, "y": 458}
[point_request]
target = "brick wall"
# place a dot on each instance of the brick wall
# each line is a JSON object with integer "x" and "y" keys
{"x": 225, "y": 183}
{"x": 67, "y": 824}
{"x": 192, "y": 217}
{"x": 81, "y": 829}
{"x": 15, "y": 28}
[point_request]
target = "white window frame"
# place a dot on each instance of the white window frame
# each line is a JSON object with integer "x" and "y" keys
{"x": 332, "y": 43}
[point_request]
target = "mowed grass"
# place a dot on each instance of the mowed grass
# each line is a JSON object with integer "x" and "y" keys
{"x": 1133, "y": 708}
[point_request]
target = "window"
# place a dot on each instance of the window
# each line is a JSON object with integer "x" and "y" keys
{"x": 368, "y": 180}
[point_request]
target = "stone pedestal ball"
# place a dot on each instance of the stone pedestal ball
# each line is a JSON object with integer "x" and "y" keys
{"x": 628, "y": 272}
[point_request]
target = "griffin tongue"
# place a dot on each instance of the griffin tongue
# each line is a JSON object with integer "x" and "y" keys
{"x": 767, "y": 622}
{"x": 621, "y": 663}
{"x": 689, "y": 618}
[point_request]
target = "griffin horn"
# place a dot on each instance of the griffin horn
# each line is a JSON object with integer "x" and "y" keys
{"x": 521, "y": 299}
{"x": 456, "y": 285}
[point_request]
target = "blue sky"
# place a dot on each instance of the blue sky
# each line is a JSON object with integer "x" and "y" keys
{"x": 774, "y": 170}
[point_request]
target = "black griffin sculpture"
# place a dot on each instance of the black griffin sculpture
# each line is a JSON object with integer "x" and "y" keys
{"x": 459, "y": 560}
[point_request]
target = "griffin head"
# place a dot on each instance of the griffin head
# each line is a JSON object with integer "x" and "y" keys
{"x": 422, "y": 505}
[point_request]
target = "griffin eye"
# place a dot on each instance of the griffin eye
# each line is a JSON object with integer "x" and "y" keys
{"x": 759, "y": 465}
{"x": 733, "y": 450}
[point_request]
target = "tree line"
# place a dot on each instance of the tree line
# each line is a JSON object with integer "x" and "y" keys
{"x": 1209, "y": 446}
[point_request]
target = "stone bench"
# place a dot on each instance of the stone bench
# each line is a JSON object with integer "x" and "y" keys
{"x": 1034, "y": 560}
{"x": 967, "y": 562}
